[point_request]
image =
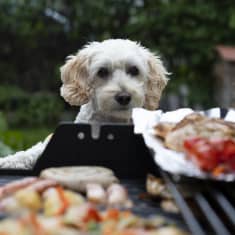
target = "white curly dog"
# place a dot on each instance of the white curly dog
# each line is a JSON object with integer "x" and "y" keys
{"x": 107, "y": 79}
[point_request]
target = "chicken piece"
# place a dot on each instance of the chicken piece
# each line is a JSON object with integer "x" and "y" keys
{"x": 117, "y": 196}
{"x": 169, "y": 206}
{"x": 169, "y": 230}
{"x": 79, "y": 216}
{"x": 196, "y": 125}
{"x": 95, "y": 193}
{"x": 157, "y": 188}
{"x": 163, "y": 128}
{"x": 29, "y": 199}
{"x": 13, "y": 227}
{"x": 23, "y": 200}
{"x": 31, "y": 224}
{"x": 57, "y": 200}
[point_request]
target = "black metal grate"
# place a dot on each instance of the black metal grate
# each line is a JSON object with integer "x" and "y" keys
{"x": 146, "y": 206}
{"x": 210, "y": 207}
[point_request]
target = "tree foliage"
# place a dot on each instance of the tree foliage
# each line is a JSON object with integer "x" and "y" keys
{"x": 36, "y": 36}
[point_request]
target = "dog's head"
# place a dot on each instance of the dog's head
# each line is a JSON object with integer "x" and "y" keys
{"x": 117, "y": 74}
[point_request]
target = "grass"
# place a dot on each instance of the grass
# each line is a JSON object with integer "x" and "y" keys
{"x": 21, "y": 139}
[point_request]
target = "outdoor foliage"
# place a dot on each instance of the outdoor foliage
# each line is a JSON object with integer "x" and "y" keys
{"x": 23, "y": 108}
{"x": 22, "y": 138}
{"x": 36, "y": 36}
{"x": 4, "y": 149}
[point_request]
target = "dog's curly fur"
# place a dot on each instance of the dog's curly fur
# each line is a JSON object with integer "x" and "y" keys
{"x": 82, "y": 85}
{"x": 95, "y": 77}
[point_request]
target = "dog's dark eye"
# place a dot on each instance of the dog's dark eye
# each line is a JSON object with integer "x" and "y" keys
{"x": 133, "y": 71}
{"x": 103, "y": 72}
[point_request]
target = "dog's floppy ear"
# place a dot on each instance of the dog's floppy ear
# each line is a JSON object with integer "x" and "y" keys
{"x": 74, "y": 75}
{"x": 157, "y": 81}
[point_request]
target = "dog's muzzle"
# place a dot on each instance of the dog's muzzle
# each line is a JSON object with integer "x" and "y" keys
{"x": 123, "y": 98}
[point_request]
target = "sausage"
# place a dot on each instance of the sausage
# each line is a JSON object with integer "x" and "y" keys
{"x": 41, "y": 185}
{"x": 12, "y": 187}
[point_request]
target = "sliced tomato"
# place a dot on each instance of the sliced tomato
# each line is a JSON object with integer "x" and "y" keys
{"x": 229, "y": 150}
{"x": 38, "y": 229}
{"x": 92, "y": 214}
{"x": 226, "y": 152}
{"x": 190, "y": 142}
{"x": 64, "y": 201}
{"x": 202, "y": 153}
{"x": 232, "y": 165}
{"x": 112, "y": 213}
{"x": 210, "y": 154}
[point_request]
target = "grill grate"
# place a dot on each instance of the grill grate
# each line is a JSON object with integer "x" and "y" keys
{"x": 210, "y": 209}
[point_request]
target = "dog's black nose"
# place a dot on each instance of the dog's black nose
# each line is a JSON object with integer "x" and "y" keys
{"x": 123, "y": 98}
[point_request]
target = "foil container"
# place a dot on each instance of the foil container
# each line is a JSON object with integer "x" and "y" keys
{"x": 171, "y": 161}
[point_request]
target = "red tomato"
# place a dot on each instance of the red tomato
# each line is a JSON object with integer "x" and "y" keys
{"x": 92, "y": 214}
{"x": 229, "y": 150}
{"x": 112, "y": 213}
{"x": 209, "y": 154}
{"x": 190, "y": 142}
{"x": 202, "y": 153}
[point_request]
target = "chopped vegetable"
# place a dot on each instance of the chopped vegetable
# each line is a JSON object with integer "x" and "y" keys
{"x": 63, "y": 199}
{"x": 92, "y": 215}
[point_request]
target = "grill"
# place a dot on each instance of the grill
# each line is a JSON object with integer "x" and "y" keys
{"x": 115, "y": 147}
{"x": 209, "y": 209}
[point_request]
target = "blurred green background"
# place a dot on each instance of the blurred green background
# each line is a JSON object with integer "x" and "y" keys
{"x": 37, "y": 35}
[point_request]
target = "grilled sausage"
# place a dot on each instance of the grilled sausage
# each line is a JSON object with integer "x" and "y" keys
{"x": 12, "y": 187}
